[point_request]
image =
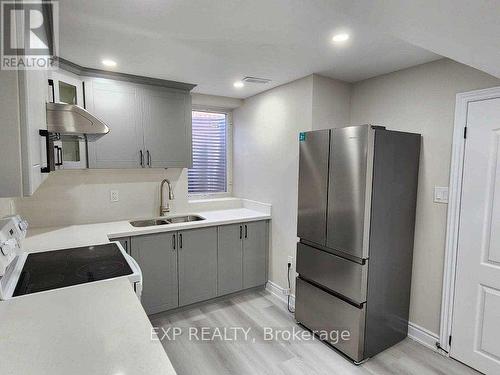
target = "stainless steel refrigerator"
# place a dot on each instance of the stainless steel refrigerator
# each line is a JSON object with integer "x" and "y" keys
{"x": 356, "y": 220}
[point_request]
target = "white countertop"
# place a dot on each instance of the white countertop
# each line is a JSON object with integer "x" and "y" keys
{"x": 43, "y": 239}
{"x": 97, "y": 328}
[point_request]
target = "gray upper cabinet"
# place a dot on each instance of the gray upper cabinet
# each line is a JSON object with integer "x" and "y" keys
{"x": 150, "y": 127}
{"x": 157, "y": 257}
{"x": 167, "y": 128}
{"x": 230, "y": 259}
{"x": 116, "y": 104}
{"x": 197, "y": 265}
{"x": 255, "y": 244}
{"x": 23, "y": 97}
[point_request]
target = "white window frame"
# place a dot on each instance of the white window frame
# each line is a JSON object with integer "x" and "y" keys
{"x": 229, "y": 154}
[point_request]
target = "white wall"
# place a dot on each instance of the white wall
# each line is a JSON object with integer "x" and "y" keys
{"x": 330, "y": 102}
{"x": 6, "y": 207}
{"x": 266, "y": 152}
{"x": 83, "y": 196}
{"x": 421, "y": 99}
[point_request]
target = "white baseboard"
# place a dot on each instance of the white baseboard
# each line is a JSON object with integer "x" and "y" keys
{"x": 279, "y": 292}
{"x": 423, "y": 336}
{"x": 415, "y": 332}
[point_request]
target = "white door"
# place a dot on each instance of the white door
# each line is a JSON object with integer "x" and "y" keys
{"x": 476, "y": 319}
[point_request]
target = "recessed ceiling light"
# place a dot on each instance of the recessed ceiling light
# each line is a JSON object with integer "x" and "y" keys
{"x": 238, "y": 84}
{"x": 340, "y": 37}
{"x": 109, "y": 63}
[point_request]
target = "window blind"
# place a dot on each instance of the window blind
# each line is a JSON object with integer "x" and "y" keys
{"x": 208, "y": 174}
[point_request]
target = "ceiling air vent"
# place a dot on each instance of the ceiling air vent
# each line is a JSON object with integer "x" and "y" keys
{"x": 256, "y": 80}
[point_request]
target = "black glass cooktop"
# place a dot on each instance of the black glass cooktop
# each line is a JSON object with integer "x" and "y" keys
{"x": 61, "y": 268}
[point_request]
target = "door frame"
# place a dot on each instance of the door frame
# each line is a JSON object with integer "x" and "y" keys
{"x": 454, "y": 206}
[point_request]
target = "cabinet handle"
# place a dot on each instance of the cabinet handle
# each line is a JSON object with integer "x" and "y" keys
{"x": 180, "y": 241}
{"x": 241, "y": 232}
{"x": 173, "y": 241}
{"x": 59, "y": 161}
{"x": 126, "y": 247}
{"x": 246, "y": 231}
{"x": 141, "y": 158}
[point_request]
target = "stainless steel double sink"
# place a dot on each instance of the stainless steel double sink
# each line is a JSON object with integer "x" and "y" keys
{"x": 166, "y": 221}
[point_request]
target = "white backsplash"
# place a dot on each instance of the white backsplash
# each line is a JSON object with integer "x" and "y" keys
{"x": 6, "y": 207}
{"x": 83, "y": 196}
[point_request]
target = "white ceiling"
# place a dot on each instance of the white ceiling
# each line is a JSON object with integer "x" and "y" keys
{"x": 214, "y": 43}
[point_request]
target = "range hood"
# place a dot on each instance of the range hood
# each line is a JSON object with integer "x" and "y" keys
{"x": 73, "y": 121}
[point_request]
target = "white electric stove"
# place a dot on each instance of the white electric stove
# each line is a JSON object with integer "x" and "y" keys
{"x": 23, "y": 273}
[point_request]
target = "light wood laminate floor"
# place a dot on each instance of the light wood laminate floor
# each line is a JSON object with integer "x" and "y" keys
{"x": 257, "y": 355}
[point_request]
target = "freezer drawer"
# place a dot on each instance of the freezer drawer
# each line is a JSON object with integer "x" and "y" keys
{"x": 320, "y": 312}
{"x": 333, "y": 272}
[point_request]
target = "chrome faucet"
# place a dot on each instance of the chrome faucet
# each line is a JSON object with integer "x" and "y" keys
{"x": 164, "y": 208}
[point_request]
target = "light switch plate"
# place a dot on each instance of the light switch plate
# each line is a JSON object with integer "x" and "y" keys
{"x": 114, "y": 196}
{"x": 440, "y": 194}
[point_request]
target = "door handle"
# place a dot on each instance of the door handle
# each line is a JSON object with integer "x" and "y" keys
{"x": 141, "y": 160}
{"x": 246, "y": 231}
{"x": 241, "y": 232}
{"x": 180, "y": 240}
{"x": 148, "y": 158}
{"x": 173, "y": 241}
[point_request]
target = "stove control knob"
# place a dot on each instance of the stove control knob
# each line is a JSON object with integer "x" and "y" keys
{"x": 8, "y": 246}
{"x": 23, "y": 225}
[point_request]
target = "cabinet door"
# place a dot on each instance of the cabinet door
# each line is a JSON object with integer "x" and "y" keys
{"x": 33, "y": 99}
{"x": 117, "y": 105}
{"x": 197, "y": 265}
{"x": 255, "y": 244}
{"x": 230, "y": 259}
{"x": 68, "y": 88}
{"x": 166, "y": 117}
{"x": 157, "y": 257}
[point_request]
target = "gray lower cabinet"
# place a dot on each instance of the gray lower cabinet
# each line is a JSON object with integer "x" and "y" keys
{"x": 197, "y": 265}
{"x": 255, "y": 242}
{"x": 157, "y": 257}
{"x": 125, "y": 242}
{"x": 230, "y": 259}
{"x": 189, "y": 266}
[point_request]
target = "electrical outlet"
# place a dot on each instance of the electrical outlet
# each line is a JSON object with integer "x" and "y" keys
{"x": 290, "y": 260}
{"x": 114, "y": 196}
{"x": 286, "y": 291}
